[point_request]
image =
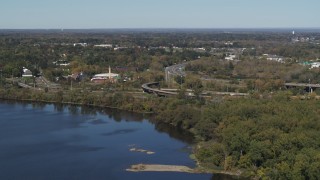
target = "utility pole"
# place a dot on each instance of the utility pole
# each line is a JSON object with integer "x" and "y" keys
{"x": 168, "y": 78}
{"x": 167, "y": 74}
{"x": 310, "y": 90}
{"x": 34, "y": 82}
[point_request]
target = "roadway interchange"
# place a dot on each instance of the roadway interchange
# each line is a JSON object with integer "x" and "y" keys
{"x": 178, "y": 70}
{"x": 175, "y": 70}
{"x": 40, "y": 83}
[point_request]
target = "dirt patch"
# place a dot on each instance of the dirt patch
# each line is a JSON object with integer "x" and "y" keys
{"x": 160, "y": 168}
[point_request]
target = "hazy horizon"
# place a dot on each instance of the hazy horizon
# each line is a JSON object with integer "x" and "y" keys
{"x": 167, "y": 30}
{"x": 155, "y": 14}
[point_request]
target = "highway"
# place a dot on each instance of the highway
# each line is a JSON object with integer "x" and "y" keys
{"x": 178, "y": 70}
{"x": 41, "y": 84}
{"x": 25, "y": 85}
{"x": 175, "y": 70}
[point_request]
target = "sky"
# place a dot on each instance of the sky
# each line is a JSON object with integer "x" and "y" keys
{"x": 91, "y": 14}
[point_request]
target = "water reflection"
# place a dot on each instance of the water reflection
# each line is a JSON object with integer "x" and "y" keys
{"x": 175, "y": 132}
{"x": 116, "y": 115}
{"x": 120, "y": 131}
{"x": 88, "y": 110}
{"x": 120, "y": 115}
{"x": 58, "y": 107}
{"x": 38, "y": 105}
{"x": 226, "y": 177}
{"x": 74, "y": 110}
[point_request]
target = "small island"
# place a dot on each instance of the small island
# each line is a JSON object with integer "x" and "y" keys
{"x": 141, "y": 150}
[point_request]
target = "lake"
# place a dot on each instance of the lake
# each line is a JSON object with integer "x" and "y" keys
{"x": 46, "y": 141}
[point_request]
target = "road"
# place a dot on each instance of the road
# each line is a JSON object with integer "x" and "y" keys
{"x": 43, "y": 83}
{"x": 175, "y": 70}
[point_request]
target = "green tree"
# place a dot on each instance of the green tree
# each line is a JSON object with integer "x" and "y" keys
{"x": 195, "y": 85}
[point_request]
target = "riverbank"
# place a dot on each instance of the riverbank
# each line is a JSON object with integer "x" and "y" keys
{"x": 118, "y": 101}
{"x": 74, "y": 104}
{"x": 159, "y": 168}
{"x": 178, "y": 168}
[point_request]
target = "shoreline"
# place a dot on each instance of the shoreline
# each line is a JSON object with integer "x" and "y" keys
{"x": 139, "y": 167}
{"x": 178, "y": 168}
{"x": 159, "y": 168}
{"x": 72, "y": 103}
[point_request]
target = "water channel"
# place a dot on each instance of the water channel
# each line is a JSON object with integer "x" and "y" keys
{"x": 46, "y": 141}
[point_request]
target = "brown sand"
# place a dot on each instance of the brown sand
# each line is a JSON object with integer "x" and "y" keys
{"x": 160, "y": 168}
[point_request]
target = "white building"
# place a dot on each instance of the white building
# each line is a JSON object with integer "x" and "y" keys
{"x": 80, "y": 44}
{"x": 104, "y": 45}
{"x": 271, "y": 57}
{"x": 231, "y": 57}
{"x": 26, "y": 72}
{"x": 103, "y": 77}
{"x": 315, "y": 65}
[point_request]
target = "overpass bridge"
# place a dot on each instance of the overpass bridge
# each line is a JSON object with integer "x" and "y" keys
{"x": 147, "y": 87}
{"x": 307, "y": 86}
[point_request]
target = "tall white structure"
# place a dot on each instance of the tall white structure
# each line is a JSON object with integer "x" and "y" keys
{"x": 292, "y": 32}
{"x": 111, "y": 77}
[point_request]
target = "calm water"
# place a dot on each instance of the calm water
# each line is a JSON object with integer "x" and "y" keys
{"x": 46, "y": 142}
